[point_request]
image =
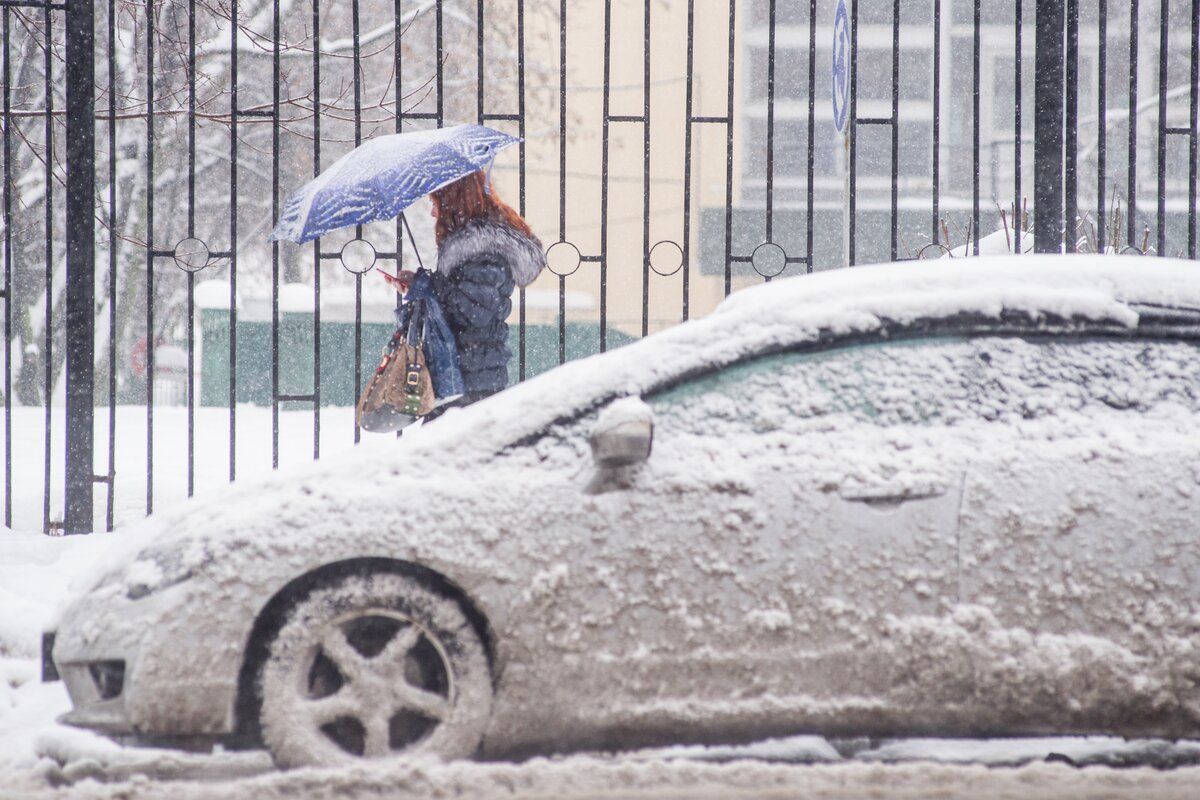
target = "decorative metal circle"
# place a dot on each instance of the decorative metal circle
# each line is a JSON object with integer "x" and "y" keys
{"x": 563, "y": 258}
{"x": 666, "y": 257}
{"x": 769, "y": 259}
{"x": 358, "y": 256}
{"x": 934, "y": 250}
{"x": 191, "y": 255}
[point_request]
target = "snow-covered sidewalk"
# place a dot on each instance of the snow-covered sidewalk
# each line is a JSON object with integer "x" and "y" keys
{"x": 593, "y": 777}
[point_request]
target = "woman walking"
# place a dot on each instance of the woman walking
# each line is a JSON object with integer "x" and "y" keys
{"x": 484, "y": 249}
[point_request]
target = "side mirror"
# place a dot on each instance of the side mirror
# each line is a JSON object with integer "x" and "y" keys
{"x": 623, "y": 434}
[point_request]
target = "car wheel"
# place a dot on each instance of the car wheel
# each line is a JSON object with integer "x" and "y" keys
{"x": 373, "y": 667}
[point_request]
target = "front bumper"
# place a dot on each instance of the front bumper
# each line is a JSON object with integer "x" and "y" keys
{"x": 96, "y": 689}
{"x": 159, "y": 665}
{"x": 93, "y": 709}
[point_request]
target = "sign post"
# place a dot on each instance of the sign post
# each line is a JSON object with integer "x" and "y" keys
{"x": 841, "y": 92}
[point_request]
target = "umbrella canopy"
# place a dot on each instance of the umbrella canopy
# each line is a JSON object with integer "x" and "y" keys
{"x": 385, "y": 175}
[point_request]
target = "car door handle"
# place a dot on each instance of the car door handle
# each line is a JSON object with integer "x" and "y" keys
{"x": 886, "y": 494}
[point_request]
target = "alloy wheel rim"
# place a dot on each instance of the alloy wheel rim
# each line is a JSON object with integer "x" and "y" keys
{"x": 374, "y": 683}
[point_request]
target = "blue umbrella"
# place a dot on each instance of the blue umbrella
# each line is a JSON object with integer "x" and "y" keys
{"x": 384, "y": 176}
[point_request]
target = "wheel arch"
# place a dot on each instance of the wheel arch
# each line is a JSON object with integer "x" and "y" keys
{"x": 247, "y": 731}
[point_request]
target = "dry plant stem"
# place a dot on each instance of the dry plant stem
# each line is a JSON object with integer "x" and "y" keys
{"x": 1086, "y": 232}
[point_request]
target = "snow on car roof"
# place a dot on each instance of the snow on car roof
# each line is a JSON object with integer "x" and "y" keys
{"x": 1071, "y": 285}
{"x": 781, "y": 314}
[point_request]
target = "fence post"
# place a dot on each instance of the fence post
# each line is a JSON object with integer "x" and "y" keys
{"x": 81, "y": 267}
{"x": 1048, "y": 128}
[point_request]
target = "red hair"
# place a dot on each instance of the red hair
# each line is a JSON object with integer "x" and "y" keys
{"x": 469, "y": 198}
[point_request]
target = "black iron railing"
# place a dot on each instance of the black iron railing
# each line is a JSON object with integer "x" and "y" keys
{"x": 691, "y": 153}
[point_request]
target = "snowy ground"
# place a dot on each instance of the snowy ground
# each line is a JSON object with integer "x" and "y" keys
{"x": 211, "y": 433}
{"x": 40, "y": 759}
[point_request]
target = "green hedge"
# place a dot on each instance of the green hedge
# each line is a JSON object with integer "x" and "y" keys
{"x": 296, "y": 345}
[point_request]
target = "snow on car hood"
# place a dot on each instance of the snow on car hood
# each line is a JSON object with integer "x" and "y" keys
{"x": 770, "y": 316}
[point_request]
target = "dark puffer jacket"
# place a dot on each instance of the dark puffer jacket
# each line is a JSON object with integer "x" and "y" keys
{"x": 478, "y": 266}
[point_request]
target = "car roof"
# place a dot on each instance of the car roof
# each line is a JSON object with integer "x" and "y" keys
{"x": 1080, "y": 287}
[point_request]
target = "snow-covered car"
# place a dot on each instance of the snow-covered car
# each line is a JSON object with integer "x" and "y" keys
{"x": 954, "y": 499}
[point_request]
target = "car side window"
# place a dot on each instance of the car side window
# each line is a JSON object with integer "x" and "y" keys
{"x": 909, "y": 382}
{"x": 1033, "y": 378}
{"x": 935, "y": 381}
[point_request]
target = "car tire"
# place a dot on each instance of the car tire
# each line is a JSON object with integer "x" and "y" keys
{"x": 375, "y": 666}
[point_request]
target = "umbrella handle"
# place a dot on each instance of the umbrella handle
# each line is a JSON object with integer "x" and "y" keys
{"x": 404, "y": 219}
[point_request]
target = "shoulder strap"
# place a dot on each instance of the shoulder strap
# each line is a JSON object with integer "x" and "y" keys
{"x": 415, "y": 334}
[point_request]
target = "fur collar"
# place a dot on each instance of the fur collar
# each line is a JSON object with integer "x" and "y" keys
{"x": 486, "y": 240}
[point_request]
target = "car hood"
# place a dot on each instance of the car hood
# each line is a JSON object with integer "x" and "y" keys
{"x": 268, "y": 531}
{"x": 309, "y": 505}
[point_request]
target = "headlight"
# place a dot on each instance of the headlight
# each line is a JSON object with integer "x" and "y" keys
{"x": 158, "y": 568}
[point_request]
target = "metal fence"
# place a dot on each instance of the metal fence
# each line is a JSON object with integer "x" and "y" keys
{"x": 671, "y": 153}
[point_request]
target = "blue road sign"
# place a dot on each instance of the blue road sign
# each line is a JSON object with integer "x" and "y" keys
{"x": 841, "y": 65}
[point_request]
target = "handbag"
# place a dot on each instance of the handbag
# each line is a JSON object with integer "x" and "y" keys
{"x": 401, "y": 389}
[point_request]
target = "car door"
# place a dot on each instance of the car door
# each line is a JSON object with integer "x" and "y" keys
{"x": 1081, "y": 571}
{"x": 749, "y": 573}
{"x": 791, "y": 507}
